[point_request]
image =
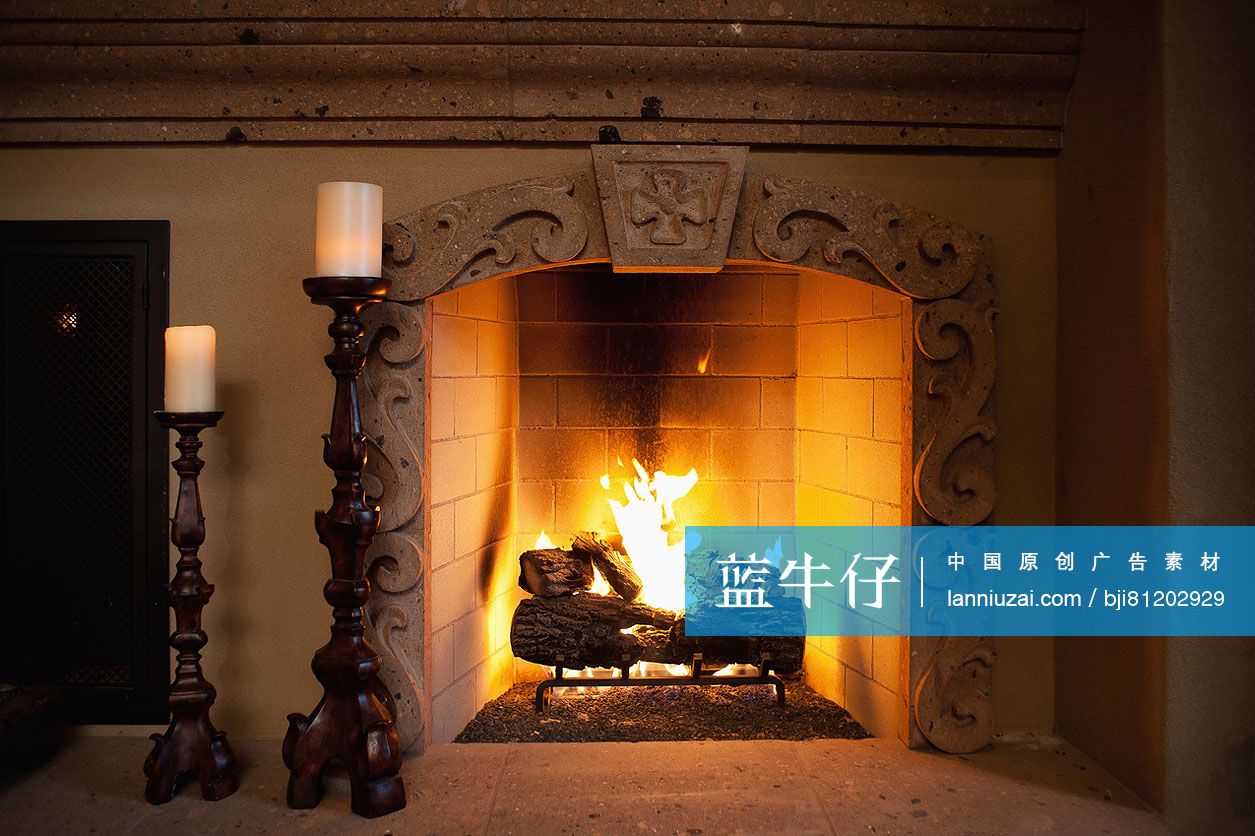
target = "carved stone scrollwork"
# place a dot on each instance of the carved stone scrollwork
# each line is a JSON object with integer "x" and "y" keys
{"x": 508, "y": 228}
{"x": 392, "y": 421}
{"x": 917, "y": 253}
{"x": 952, "y": 698}
{"x": 953, "y": 482}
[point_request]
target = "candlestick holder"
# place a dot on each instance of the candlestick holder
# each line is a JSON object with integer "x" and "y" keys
{"x": 191, "y": 746}
{"x": 353, "y": 722}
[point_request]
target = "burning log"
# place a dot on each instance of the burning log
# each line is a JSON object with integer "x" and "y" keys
{"x": 585, "y": 631}
{"x": 717, "y": 651}
{"x": 614, "y": 567}
{"x": 550, "y": 573}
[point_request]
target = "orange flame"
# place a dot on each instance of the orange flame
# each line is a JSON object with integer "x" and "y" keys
{"x": 704, "y": 361}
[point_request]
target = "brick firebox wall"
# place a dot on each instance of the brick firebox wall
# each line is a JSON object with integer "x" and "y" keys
{"x": 609, "y": 371}
{"x": 542, "y": 382}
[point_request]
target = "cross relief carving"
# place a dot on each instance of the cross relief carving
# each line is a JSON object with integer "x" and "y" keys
{"x": 668, "y": 205}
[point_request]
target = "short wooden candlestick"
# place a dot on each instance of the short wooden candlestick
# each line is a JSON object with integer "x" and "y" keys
{"x": 352, "y": 723}
{"x": 191, "y": 746}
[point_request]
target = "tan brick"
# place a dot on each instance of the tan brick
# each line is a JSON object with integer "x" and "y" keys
{"x": 535, "y": 508}
{"x": 848, "y": 406}
{"x": 776, "y": 503}
{"x": 476, "y": 405}
{"x": 443, "y": 411}
{"x": 500, "y": 565}
{"x": 732, "y": 298}
{"x": 887, "y": 410}
{"x": 779, "y": 402}
{"x": 500, "y": 612}
{"x": 583, "y": 505}
{"x": 441, "y": 659}
{"x": 825, "y": 676}
{"x": 810, "y": 403}
{"x": 822, "y": 349}
{"x": 538, "y": 402}
{"x": 445, "y": 303}
{"x": 657, "y": 349}
{"x": 843, "y": 509}
{"x": 623, "y": 401}
{"x": 719, "y": 503}
{"x": 856, "y": 652}
{"x": 885, "y": 514}
{"x": 780, "y": 298}
{"x": 470, "y": 641}
{"x": 810, "y": 510}
{"x": 875, "y": 469}
{"x": 452, "y": 469}
{"x": 478, "y": 299}
{"x": 887, "y": 662}
{"x": 752, "y": 455}
{"x": 537, "y": 296}
{"x": 507, "y": 403}
{"x": 494, "y": 459}
{"x": 452, "y": 592}
{"x": 452, "y": 346}
{"x": 508, "y": 299}
{"x": 498, "y": 348}
{"x": 754, "y": 350}
{"x": 822, "y": 460}
{"x": 671, "y": 450}
{"x": 809, "y": 304}
{"x": 879, "y": 710}
{"x": 483, "y": 518}
{"x": 888, "y": 302}
{"x": 710, "y": 402}
{"x": 453, "y": 708}
{"x": 842, "y": 298}
{"x": 561, "y": 348}
{"x": 561, "y": 453}
{"x": 875, "y": 348}
{"x": 442, "y": 547}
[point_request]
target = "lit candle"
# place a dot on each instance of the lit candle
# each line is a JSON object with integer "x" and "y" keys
{"x": 349, "y": 230}
{"x": 191, "y": 352}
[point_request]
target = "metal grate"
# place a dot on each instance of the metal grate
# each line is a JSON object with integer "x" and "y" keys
{"x": 70, "y": 445}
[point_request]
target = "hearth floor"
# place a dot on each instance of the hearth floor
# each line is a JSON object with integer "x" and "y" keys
{"x": 1022, "y": 784}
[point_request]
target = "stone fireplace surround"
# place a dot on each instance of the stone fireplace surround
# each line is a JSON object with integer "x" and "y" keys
{"x": 744, "y": 221}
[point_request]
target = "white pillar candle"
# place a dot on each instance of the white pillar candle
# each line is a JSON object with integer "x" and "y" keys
{"x": 349, "y": 230}
{"x": 191, "y": 352}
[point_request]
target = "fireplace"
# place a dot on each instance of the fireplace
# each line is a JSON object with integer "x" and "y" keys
{"x": 813, "y": 356}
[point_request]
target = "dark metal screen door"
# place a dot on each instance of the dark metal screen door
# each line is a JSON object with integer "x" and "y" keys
{"x": 86, "y": 465}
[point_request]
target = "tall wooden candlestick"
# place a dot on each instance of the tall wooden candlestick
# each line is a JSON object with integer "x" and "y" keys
{"x": 191, "y": 746}
{"x": 352, "y": 722}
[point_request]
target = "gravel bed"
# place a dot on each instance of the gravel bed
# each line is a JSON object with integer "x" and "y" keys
{"x": 672, "y": 712}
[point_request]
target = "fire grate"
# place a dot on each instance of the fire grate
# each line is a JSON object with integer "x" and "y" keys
{"x": 696, "y": 676}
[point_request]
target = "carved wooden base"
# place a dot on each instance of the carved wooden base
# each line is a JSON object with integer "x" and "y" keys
{"x": 356, "y": 729}
{"x": 190, "y": 748}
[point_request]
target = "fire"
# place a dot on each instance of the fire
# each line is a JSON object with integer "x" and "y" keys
{"x": 704, "y": 361}
{"x": 646, "y": 521}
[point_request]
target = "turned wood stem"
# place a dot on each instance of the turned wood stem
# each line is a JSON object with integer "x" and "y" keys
{"x": 352, "y": 723}
{"x": 191, "y": 746}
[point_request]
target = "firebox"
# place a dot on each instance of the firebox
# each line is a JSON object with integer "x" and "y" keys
{"x": 668, "y": 340}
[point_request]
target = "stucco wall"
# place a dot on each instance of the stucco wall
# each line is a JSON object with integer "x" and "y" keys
{"x": 242, "y": 221}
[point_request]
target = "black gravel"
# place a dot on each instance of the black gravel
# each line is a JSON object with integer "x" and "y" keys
{"x": 674, "y": 712}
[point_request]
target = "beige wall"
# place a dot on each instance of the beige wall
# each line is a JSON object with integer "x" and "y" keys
{"x": 242, "y": 220}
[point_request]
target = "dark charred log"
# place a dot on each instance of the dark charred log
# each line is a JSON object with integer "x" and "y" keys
{"x": 550, "y": 573}
{"x": 614, "y": 567}
{"x": 584, "y": 630}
